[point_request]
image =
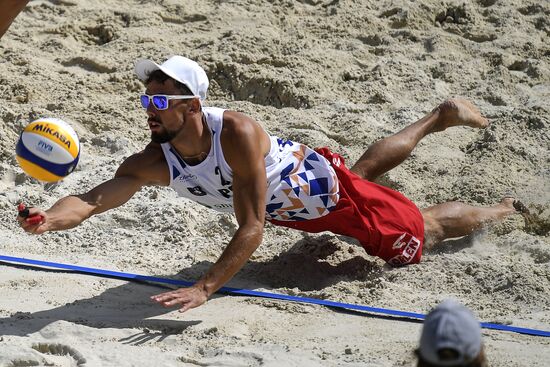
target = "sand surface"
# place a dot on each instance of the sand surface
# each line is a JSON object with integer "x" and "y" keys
{"x": 337, "y": 73}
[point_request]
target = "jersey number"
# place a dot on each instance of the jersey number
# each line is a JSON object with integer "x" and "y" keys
{"x": 226, "y": 192}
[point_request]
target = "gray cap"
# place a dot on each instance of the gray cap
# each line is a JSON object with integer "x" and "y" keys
{"x": 450, "y": 326}
{"x": 180, "y": 68}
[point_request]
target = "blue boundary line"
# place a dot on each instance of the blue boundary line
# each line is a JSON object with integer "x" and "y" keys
{"x": 246, "y": 292}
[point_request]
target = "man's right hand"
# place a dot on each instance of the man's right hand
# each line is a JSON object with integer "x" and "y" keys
{"x": 36, "y": 222}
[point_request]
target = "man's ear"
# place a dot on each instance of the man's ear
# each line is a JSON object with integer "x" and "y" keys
{"x": 195, "y": 105}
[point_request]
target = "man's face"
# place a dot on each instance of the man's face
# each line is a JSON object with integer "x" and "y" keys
{"x": 165, "y": 125}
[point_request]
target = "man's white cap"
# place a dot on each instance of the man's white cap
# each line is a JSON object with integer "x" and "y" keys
{"x": 180, "y": 68}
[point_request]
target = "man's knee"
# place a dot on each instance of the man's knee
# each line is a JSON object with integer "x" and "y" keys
{"x": 433, "y": 230}
{"x": 364, "y": 170}
{"x": 358, "y": 169}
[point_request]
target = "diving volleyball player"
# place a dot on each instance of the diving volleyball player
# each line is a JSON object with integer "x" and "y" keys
{"x": 224, "y": 160}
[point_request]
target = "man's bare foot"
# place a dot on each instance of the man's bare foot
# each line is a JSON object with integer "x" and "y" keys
{"x": 507, "y": 204}
{"x": 512, "y": 205}
{"x": 458, "y": 112}
{"x": 521, "y": 208}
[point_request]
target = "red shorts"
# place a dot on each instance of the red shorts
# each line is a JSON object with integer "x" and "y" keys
{"x": 385, "y": 222}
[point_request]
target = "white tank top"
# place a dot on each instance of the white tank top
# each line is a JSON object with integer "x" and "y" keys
{"x": 301, "y": 183}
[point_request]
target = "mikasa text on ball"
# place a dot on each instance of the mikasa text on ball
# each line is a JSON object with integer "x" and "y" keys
{"x": 48, "y": 149}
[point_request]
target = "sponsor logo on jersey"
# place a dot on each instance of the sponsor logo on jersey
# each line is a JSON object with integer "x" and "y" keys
{"x": 399, "y": 243}
{"x": 185, "y": 177}
{"x": 222, "y": 206}
{"x": 197, "y": 191}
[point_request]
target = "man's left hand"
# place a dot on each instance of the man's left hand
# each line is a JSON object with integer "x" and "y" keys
{"x": 188, "y": 298}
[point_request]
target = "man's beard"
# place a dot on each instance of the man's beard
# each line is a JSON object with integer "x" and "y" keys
{"x": 163, "y": 136}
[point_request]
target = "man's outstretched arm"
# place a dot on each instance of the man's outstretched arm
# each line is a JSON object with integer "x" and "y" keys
{"x": 135, "y": 172}
{"x": 244, "y": 151}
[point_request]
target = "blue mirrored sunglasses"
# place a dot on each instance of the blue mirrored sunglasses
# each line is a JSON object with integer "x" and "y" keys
{"x": 160, "y": 101}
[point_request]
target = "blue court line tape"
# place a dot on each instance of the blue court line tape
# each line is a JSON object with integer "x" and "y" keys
{"x": 246, "y": 292}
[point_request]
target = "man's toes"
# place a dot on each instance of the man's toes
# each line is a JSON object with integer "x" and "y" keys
{"x": 520, "y": 207}
{"x": 469, "y": 115}
{"x": 480, "y": 121}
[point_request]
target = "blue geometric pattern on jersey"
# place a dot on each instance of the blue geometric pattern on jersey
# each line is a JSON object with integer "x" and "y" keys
{"x": 286, "y": 171}
{"x": 318, "y": 186}
{"x": 177, "y": 156}
{"x": 282, "y": 143}
{"x": 175, "y": 173}
{"x": 308, "y": 186}
{"x": 308, "y": 166}
{"x": 271, "y": 207}
{"x": 313, "y": 157}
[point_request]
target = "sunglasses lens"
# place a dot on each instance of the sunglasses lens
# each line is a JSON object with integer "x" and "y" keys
{"x": 144, "y": 99}
{"x": 160, "y": 102}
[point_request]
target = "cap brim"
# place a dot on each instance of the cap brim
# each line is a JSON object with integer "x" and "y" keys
{"x": 144, "y": 68}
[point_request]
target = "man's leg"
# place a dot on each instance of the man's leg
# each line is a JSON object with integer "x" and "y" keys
{"x": 454, "y": 219}
{"x": 387, "y": 153}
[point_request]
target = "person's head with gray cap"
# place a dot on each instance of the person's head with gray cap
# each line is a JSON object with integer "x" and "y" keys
{"x": 182, "y": 70}
{"x": 451, "y": 336}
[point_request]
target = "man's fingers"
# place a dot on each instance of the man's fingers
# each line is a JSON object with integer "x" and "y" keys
{"x": 174, "y": 302}
{"x": 28, "y": 211}
{"x": 31, "y": 219}
{"x": 164, "y": 304}
{"x": 166, "y": 299}
{"x": 186, "y": 297}
{"x": 170, "y": 299}
{"x": 23, "y": 209}
{"x": 34, "y": 219}
{"x": 33, "y": 228}
{"x": 185, "y": 307}
{"x": 162, "y": 297}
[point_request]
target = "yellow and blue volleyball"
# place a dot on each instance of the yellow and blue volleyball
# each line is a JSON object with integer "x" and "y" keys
{"x": 48, "y": 149}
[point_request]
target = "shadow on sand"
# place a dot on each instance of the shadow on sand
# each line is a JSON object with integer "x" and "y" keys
{"x": 303, "y": 266}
